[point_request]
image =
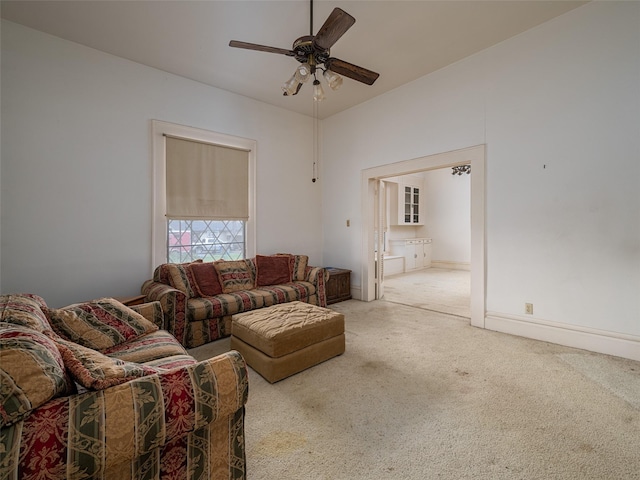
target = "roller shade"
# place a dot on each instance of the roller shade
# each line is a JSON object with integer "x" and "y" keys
{"x": 206, "y": 181}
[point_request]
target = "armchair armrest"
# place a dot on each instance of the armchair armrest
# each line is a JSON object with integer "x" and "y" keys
{"x": 174, "y": 306}
{"x": 152, "y": 311}
{"x": 90, "y": 434}
{"x": 318, "y": 276}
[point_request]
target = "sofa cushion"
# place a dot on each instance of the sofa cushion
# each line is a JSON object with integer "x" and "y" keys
{"x": 245, "y": 300}
{"x": 31, "y": 372}
{"x": 181, "y": 278}
{"x": 205, "y": 276}
{"x": 272, "y": 270}
{"x": 99, "y": 324}
{"x": 161, "y": 272}
{"x": 234, "y": 275}
{"x": 24, "y": 309}
{"x": 298, "y": 266}
{"x": 96, "y": 371}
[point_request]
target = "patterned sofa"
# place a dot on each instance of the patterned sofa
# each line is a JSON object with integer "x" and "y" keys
{"x": 199, "y": 298}
{"x": 97, "y": 391}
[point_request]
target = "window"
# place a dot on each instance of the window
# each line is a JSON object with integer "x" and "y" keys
{"x": 195, "y": 217}
{"x": 206, "y": 239}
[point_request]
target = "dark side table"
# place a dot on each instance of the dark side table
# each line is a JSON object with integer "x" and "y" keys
{"x": 132, "y": 300}
{"x": 338, "y": 285}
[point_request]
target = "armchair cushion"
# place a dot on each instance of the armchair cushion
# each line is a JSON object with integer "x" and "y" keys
{"x": 31, "y": 372}
{"x": 24, "y": 309}
{"x": 99, "y": 324}
{"x": 96, "y": 371}
{"x": 156, "y": 345}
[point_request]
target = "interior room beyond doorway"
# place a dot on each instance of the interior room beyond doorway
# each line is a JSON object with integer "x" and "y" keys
{"x": 475, "y": 156}
{"x": 438, "y": 289}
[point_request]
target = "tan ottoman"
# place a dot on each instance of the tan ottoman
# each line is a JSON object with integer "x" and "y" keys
{"x": 285, "y": 339}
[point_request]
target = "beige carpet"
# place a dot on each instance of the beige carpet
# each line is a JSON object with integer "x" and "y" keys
{"x": 438, "y": 289}
{"x": 423, "y": 395}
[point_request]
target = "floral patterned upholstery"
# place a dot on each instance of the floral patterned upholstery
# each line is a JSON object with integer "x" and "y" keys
{"x": 179, "y": 419}
{"x": 194, "y": 320}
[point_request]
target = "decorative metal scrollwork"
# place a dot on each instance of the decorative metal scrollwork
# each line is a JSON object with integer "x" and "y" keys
{"x": 460, "y": 169}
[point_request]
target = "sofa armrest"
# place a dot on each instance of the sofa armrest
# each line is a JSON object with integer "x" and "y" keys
{"x": 318, "y": 276}
{"x": 152, "y": 311}
{"x": 86, "y": 434}
{"x": 174, "y": 306}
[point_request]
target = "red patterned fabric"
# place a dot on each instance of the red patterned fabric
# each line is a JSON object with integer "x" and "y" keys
{"x": 31, "y": 372}
{"x": 298, "y": 265}
{"x": 206, "y": 279}
{"x": 96, "y": 371}
{"x": 199, "y": 320}
{"x": 44, "y": 442}
{"x": 174, "y": 306}
{"x": 234, "y": 275}
{"x": 121, "y": 432}
{"x": 99, "y": 324}
{"x": 145, "y": 349}
{"x": 186, "y": 420}
{"x": 24, "y": 309}
{"x": 180, "y": 417}
{"x": 272, "y": 270}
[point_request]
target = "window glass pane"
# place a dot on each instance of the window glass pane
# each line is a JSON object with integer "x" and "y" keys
{"x": 209, "y": 240}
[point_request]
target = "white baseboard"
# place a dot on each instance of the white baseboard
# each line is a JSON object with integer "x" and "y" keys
{"x": 601, "y": 341}
{"x": 450, "y": 265}
{"x": 356, "y": 292}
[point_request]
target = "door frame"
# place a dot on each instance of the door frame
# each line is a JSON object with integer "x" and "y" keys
{"x": 475, "y": 156}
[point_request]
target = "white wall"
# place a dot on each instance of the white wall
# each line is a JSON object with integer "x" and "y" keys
{"x": 76, "y": 166}
{"x": 559, "y": 110}
{"x": 448, "y": 216}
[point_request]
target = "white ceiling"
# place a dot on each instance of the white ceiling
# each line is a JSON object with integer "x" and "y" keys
{"x": 401, "y": 40}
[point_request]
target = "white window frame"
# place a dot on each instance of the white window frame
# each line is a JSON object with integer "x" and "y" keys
{"x": 159, "y": 233}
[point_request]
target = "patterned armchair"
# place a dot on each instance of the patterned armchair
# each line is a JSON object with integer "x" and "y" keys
{"x": 152, "y": 411}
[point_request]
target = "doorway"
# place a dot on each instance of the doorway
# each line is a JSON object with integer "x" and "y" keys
{"x": 372, "y": 272}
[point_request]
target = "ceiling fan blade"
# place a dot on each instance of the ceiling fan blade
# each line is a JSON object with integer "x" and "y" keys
{"x": 333, "y": 28}
{"x": 352, "y": 71}
{"x": 261, "y": 48}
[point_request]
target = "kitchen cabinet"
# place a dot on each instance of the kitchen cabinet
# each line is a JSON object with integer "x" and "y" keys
{"x": 406, "y": 204}
{"x": 416, "y": 252}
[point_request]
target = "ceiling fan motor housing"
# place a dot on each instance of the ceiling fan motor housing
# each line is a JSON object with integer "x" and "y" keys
{"x": 304, "y": 49}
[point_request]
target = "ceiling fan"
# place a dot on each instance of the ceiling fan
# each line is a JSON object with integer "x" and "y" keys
{"x": 313, "y": 53}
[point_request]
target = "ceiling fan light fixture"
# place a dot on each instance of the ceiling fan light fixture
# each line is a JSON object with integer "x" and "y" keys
{"x": 290, "y": 87}
{"x": 313, "y": 52}
{"x": 333, "y": 79}
{"x": 318, "y": 91}
{"x": 303, "y": 73}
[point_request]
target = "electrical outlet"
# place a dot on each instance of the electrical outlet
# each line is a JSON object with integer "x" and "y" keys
{"x": 528, "y": 308}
